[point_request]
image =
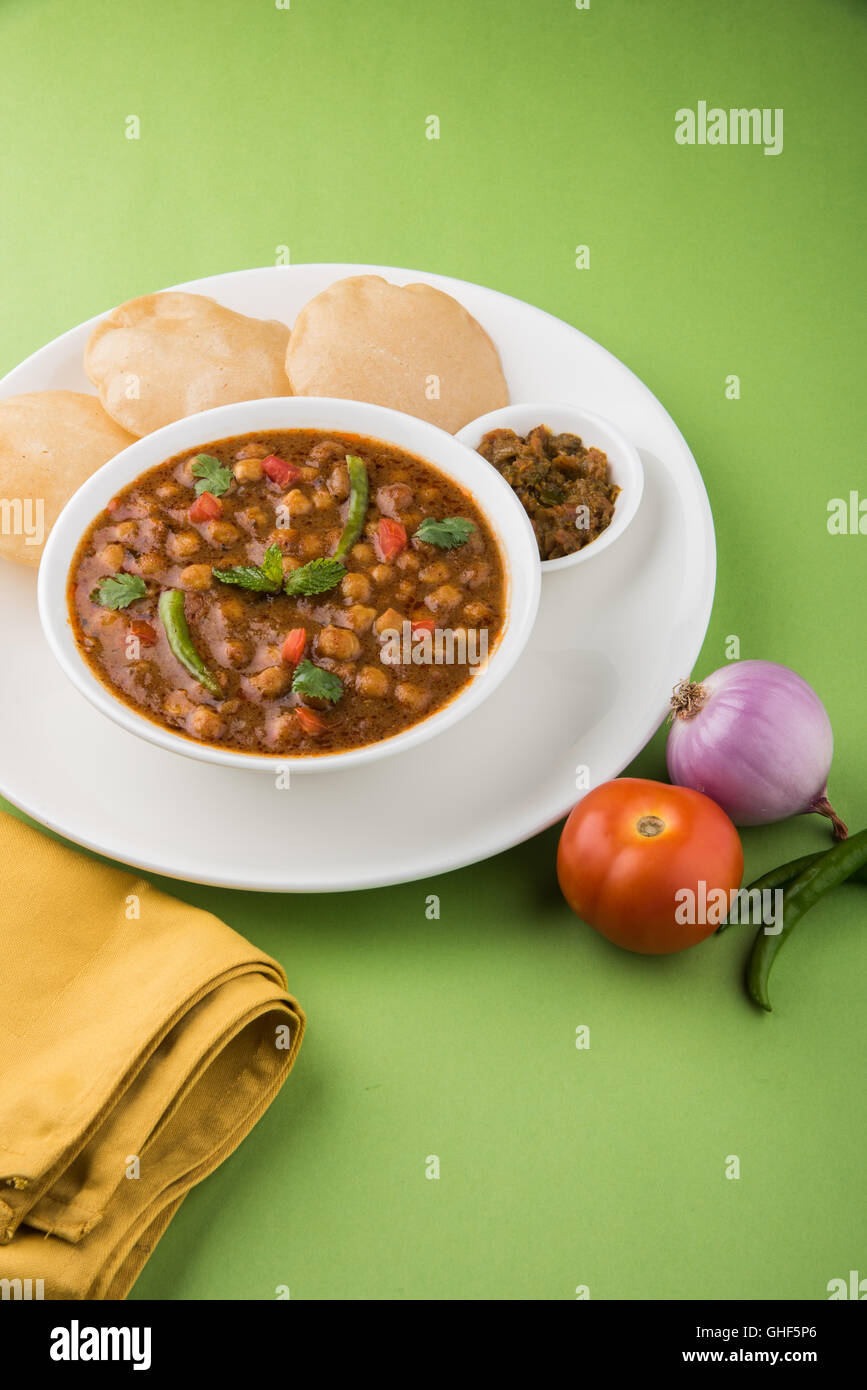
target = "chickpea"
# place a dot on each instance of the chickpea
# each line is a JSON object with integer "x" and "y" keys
{"x": 478, "y": 613}
{"x": 414, "y": 697}
{"x": 205, "y": 723}
{"x": 253, "y": 451}
{"x": 230, "y": 706}
{"x": 407, "y": 561}
{"x": 307, "y": 473}
{"x": 474, "y": 576}
{"x": 285, "y": 537}
{"x": 359, "y": 618}
{"x": 356, "y": 586}
{"x": 338, "y": 482}
{"x": 405, "y": 591}
{"x": 312, "y": 546}
{"x": 381, "y": 574}
{"x": 362, "y": 553}
{"x": 338, "y": 642}
{"x": 388, "y": 620}
{"x": 151, "y": 564}
{"x": 177, "y": 704}
{"x": 248, "y": 470}
{"x": 341, "y": 669}
{"x": 372, "y": 682}
{"x": 223, "y": 533}
{"x": 322, "y": 500}
{"x": 296, "y": 503}
{"x": 444, "y": 599}
{"x": 252, "y": 517}
{"x": 437, "y": 573}
{"x": 232, "y": 609}
{"x": 107, "y": 617}
{"x": 290, "y": 564}
{"x": 284, "y": 726}
{"x": 237, "y": 653}
{"x": 273, "y": 681}
{"x": 112, "y": 556}
{"x": 327, "y": 451}
{"x": 127, "y": 531}
{"x": 196, "y": 577}
{"x": 182, "y": 544}
{"x": 394, "y": 499}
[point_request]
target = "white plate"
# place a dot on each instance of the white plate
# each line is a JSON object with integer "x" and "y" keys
{"x": 592, "y": 685}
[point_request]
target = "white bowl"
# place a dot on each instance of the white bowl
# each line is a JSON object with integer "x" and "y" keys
{"x": 625, "y": 466}
{"x": 503, "y": 511}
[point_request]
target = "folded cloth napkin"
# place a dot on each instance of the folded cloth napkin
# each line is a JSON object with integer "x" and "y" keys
{"x": 140, "y": 1041}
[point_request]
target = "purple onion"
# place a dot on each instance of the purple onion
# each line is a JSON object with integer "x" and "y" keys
{"x": 756, "y": 738}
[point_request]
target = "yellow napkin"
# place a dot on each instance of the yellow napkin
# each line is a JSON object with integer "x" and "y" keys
{"x": 140, "y": 1041}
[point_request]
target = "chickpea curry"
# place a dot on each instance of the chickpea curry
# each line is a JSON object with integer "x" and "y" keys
{"x": 249, "y": 594}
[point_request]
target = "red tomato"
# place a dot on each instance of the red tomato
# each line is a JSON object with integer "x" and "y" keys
{"x": 206, "y": 507}
{"x": 309, "y": 720}
{"x": 389, "y": 538}
{"x": 279, "y": 471}
{"x": 144, "y": 632}
{"x": 293, "y": 647}
{"x": 636, "y": 859}
{"x": 424, "y": 625}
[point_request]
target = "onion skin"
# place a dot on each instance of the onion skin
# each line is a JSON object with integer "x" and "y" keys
{"x": 757, "y": 739}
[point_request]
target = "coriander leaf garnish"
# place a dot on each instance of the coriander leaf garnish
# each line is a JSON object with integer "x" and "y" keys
{"x": 266, "y": 578}
{"x": 119, "y": 590}
{"x": 213, "y": 476}
{"x": 448, "y": 533}
{"x": 316, "y": 683}
{"x": 315, "y": 577}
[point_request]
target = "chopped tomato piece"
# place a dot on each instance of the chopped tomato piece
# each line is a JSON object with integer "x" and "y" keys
{"x": 425, "y": 625}
{"x": 293, "y": 647}
{"x": 390, "y": 538}
{"x": 310, "y": 721}
{"x": 279, "y": 471}
{"x": 206, "y": 507}
{"x": 144, "y": 632}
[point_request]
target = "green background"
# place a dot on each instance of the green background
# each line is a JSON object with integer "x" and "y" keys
{"x": 262, "y": 127}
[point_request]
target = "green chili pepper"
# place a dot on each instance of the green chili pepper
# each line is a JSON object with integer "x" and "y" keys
{"x": 779, "y": 877}
{"x": 827, "y": 870}
{"x": 174, "y": 620}
{"x": 359, "y": 491}
{"x": 785, "y": 873}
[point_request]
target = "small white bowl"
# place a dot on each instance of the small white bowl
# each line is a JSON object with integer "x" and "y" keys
{"x": 500, "y": 506}
{"x": 625, "y": 467}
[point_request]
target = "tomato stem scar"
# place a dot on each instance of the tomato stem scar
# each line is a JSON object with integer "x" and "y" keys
{"x": 650, "y": 826}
